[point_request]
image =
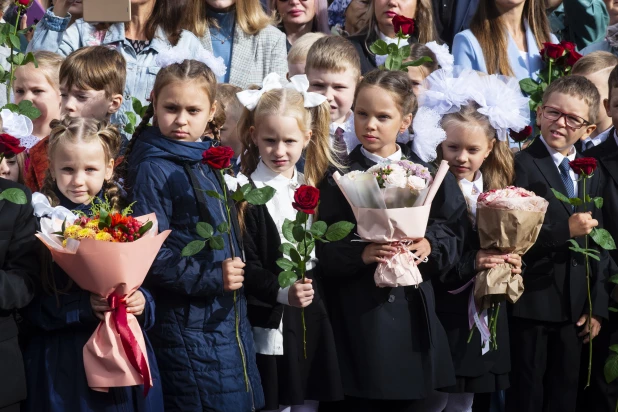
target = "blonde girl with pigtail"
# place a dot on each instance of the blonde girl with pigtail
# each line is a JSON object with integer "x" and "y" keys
{"x": 279, "y": 125}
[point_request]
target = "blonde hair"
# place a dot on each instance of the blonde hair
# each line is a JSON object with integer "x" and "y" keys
{"x": 299, "y": 50}
{"x": 594, "y": 62}
{"x": 333, "y": 53}
{"x": 489, "y": 30}
{"x": 425, "y": 24}
{"x": 50, "y": 64}
{"x": 249, "y": 15}
{"x": 498, "y": 169}
{"x": 226, "y": 97}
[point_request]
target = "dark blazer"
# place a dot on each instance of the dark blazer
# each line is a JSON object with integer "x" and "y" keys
{"x": 361, "y": 43}
{"x": 389, "y": 341}
{"x": 18, "y": 266}
{"x": 555, "y": 277}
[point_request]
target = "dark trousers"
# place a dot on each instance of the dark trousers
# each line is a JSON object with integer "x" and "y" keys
{"x": 545, "y": 360}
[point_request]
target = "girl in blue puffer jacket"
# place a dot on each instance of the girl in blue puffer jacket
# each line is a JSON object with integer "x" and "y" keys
{"x": 194, "y": 336}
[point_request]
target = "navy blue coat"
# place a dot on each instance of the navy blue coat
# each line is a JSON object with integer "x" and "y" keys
{"x": 194, "y": 336}
{"x": 59, "y": 327}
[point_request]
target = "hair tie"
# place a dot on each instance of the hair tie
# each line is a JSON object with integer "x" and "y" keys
{"x": 178, "y": 55}
{"x": 250, "y": 98}
{"x": 300, "y": 83}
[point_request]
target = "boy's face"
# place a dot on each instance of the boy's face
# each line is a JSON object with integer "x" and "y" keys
{"x": 611, "y": 106}
{"x": 557, "y": 134}
{"x": 87, "y": 103}
{"x": 229, "y": 132}
{"x": 338, "y": 87}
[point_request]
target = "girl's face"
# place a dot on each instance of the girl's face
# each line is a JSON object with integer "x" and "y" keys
{"x": 280, "y": 142}
{"x": 9, "y": 169}
{"x": 80, "y": 169}
{"x": 417, "y": 75}
{"x": 183, "y": 111}
{"x": 378, "y": 120}
{"x": 465, "y": 149}
{"x": 385, "y": 10}
{"x": 31, "y": 84}
{"x": 296, "y": 12}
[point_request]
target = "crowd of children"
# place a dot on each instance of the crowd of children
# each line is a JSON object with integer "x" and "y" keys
{"x": 372, "y": 349}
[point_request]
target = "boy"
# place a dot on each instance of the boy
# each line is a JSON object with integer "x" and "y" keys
{"x": 333, "y": 70}
{"x": 226, "y": 95}
{"x": 549, "y": 322}
{"x": 596, "y": 67}
{"x": 297, "y": 56}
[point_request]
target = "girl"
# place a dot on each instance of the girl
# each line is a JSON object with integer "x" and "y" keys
{"x": 40, "y": 85}
{"x": 194, "y": 338}
{"x": 63, "y": 316}
{"x": 418, "y": 73}
{"x": 274, "y": 136}
{"x": 392, "y": 348}
{"x": 480, "y": 162}
{"x": 11, "y": 168}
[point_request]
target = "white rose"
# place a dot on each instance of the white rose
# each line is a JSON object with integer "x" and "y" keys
{"x": 416, "y": 183}
{"x": 396, "y": 179}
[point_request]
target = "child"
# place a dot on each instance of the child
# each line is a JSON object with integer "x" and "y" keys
{"x": 226, "y": 96}
{"x": 596, "y": 67}
{"x": 194, "y": 338}
{"x": 550, "y": 320}
{"x": 11, "y": 168}
{"x": 297, "y": 56}
{"x": 41, "y": 86}
{"x": 274, "y": 136}
{"x": 392, "y": 349}
{"x": 333, "y": 70}
{"x": 81, "y": 159}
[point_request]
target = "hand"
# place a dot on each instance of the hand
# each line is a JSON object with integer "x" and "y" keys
{"x": 233, "y": 274}
{"x": 595, "y": 325}
{"x": 581, "y": 224}
{"x": 487, "y": 259}
{"x": 301, "y": 294}
{"x": 135, "y": 303}
{"x": 377, "y": 253}
{"x": 99, "y": 306}
{"x": 515, "y": 260}
{"x": 61, "y": 7}
{"x": 421, "y": 249}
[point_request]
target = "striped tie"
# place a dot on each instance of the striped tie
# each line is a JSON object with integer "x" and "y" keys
{"x": 566, "y": 177}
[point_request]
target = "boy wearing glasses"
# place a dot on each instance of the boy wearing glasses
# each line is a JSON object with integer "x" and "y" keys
{"x": 548, "y": 323}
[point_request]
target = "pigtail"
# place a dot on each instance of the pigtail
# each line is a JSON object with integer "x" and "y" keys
{"x": 319, "y": 154}
{"x": 217, "y": 122}
{"x": 499, "y": 167}
{"x": 250, "y": 157}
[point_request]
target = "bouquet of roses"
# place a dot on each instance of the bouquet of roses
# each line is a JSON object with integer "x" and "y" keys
{"x": 391, "y": 203}
{"x": 108, "y": 254}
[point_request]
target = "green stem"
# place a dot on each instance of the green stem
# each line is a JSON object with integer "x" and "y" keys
{"x": 10, "y": 85}
{"x": 471, "y": 333}
{"x": 549, "y": 77}
{"x": 519, "y": 143}
{"x": 302, "y": 272}
{"x": 589, "y": 298}
{"x": 495, "y": 327}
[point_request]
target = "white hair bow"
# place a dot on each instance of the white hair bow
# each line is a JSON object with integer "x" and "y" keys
{"x": 444, "y": 57}
{"x": 178, "y": 55}
{"x": 18, "y": 126}
{"x": 300, "y": 83}
{"x": 250, "y": 98}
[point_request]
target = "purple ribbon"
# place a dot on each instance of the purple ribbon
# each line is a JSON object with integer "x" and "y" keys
{"x": 473, "y": 315}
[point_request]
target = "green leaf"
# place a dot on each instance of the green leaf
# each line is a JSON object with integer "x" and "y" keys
{"x": 287, "y": 279}
{"x": 132, "y": 117}
{"x": 379, "y": 47}
{"x": 129, "y": 128}
{"x": 613, "y": 309}
{"x": 223, "y": 227}
{"x": 310, "y": 246}
{"x": 528, "y": 85}
{"x": 204, "y": 229}
{"x": 15, "y": 41}
{"x": 392, "y": 49}
{"x": 560, "y": 196}
{"x": 214, "y": 194}
{"x": 31, "y": 59}
{"x": 295, "y": 256}
{"x": 18, "y": 59}
{"x": 260, "y": 196}
{"x": 614, "y": 279}
{"x": 417, "y": 62}
{"x": 388, "y": 64}
{"x": 610, "y": 370}
{"x": 299, "y": 233}
{"x": 396, "y": 62}
{"x": 137, "y": 106}
{"x": 318, "y": 228}
{"x": 404, "y": 52}
{"x": 144, "y": 228}
{"x": 339, "y": 231}
{"x": 26, "y": 107}
{"x": 105, "y": 219}
{"x": 216, "y": 243}
{"x": 603, "y": 238}
{"x": 285, "y": 264}
{"x": 285, "y": 248}
{"x": 14, "y": 195}
{"x": 237, "y": 196}
{"x": 287, "y": 230}
{"x": 193, "y": 248}
{"x": 598, "y": 202}
{"x": 12, "y": 107}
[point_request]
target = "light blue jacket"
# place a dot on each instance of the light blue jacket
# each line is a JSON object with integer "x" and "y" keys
{"x": 601, "y": 45}
{"x": 467, "y": 52}
{"x": 53, "y": 34}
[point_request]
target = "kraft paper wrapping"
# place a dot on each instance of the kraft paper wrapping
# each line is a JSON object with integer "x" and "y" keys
{"x": 104, "y": 268}
{"x": 509, "y": 231}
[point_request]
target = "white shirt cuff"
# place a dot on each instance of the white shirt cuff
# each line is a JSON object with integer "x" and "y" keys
{"x": 282, "y": 296}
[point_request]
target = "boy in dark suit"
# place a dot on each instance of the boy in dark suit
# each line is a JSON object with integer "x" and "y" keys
{"x": 549, "y": 322}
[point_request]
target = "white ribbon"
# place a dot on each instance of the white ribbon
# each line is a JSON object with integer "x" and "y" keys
{"x": 42, "y": 208}
{"x": 300, "y": 83}
{"x": 250, "y": 98}
{"x": 179, "y": 55}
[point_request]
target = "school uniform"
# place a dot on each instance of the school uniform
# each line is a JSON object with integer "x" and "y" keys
{"x": 287, "y": 377}
{"x": 391, "y": 346}
{"x": 545, "y": 348}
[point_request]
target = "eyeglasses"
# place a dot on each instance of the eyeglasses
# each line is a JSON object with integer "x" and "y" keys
{"x": 574, "y": 122}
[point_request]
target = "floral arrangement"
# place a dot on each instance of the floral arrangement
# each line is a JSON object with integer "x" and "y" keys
{"x": 559, "y": 59}
{"x": 402, "y": 174}
{"x": 512, "y": 198}
{"x": 9, "y": 147}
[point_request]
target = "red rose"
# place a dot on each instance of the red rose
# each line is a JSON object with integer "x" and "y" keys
{"x": 568, "y": 46}
{"x": 552, "y": 51}
{"x": 23, "y": 2}
{"x": 572, "y": 57}
{"x": 404, "y": 24}
{"x": 219, "y": 157}
{"x": 10, "y": 146}
{"x": 522, "y": 135}
{"x": 306, "y": 199}
{"x": 584, "y": 166}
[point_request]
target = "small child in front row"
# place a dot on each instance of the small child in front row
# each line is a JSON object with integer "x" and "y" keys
{"x": 194, "y": 338}
{"x": 549, "y": 322}
{"x": 274, "y": 135}
{"x": 297, "y": 56}
{"x": 226, "y": 97}
{"x": 64, "y": 317}
{"x": 393, "y": 351}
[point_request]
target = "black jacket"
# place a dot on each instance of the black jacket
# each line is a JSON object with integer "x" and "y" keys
{"x": 18, "y": 266}
{"x": 555, "y": 277}
{"x": 389, "y": 341}
{"x": 361, "y": 44}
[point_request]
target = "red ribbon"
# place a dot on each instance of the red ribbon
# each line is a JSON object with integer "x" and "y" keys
{"x": 129, "y": 343}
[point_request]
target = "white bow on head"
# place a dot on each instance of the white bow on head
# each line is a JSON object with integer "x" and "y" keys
{"x": 300, "y": 83}
{"x": 178, "y": 55}
{"x": 250, "y": 98}
{"x": 444, "y": 57}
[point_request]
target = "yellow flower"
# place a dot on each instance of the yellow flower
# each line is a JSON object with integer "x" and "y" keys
{"x": 104, "y": 236}
{"x": 64, "y": 243}
{"x": 71, "y": 231}
{"x": 93, "y": 224}
{"x": 86, "y": 234}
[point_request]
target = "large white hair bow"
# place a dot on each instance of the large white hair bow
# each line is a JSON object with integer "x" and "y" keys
{"x": 447, "y": 91}
{"x": 300, "y": 83}
{"x": 444, "y": 57}
{"x": 428, "y": 133}
{"x": 178, "y": 55}
{"x": 250, "y": 98}
{"x": 18, "y": 126}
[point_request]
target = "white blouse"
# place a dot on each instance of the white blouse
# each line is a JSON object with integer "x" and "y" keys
{"x": 471, "y": 191}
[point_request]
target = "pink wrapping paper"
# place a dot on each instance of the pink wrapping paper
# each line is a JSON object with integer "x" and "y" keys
{"x": 104, "y": 268}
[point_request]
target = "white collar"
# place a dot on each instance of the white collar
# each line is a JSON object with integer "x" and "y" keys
{"x": 468, "y": 186}
{"x": 600, "y": 138}
{"x": 263, "y": 174}
{"x": 395, "y": 157}
{"x": 558, "y": 157}
{"x": 391, "y": 40}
